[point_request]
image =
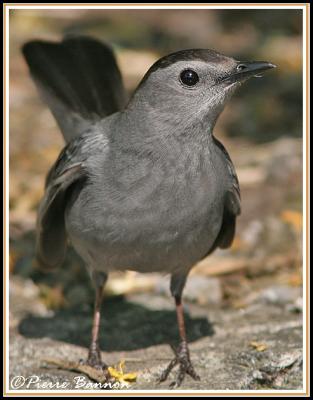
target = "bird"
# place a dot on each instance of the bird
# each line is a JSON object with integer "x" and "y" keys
{"x": 142, "y": 183}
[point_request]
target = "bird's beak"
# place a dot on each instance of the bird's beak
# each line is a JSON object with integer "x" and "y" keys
{"x": 245, "y": 70}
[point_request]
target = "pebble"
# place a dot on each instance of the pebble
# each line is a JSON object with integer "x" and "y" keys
{"x": 202, "y": 290}
{"x": 279, "y": 295}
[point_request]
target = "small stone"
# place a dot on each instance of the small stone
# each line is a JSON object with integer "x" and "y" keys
{"x": 279, "y": 295}
{"x": 202, "y": 290}
{"x": 257, "y": 375}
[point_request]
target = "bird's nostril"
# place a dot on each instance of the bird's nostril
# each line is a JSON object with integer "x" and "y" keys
{"x": 241, "y": 67}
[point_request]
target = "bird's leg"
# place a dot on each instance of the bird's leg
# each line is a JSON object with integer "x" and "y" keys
{"x": 182, "y": 357}
{"x": 94, "y": 354}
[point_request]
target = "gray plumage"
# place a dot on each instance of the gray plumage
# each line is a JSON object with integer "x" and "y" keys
{"x": 148, "y": 188}
{"x": 144, "y": 186}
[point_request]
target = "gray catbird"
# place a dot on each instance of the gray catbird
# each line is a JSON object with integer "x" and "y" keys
{"x": 142, "y": 185}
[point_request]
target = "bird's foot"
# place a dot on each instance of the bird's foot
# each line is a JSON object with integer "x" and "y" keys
{"x": 182, "y": 358}
{"x": 94, "y": 359}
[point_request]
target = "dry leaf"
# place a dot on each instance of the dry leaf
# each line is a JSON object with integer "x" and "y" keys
{"x": 258, "y": 346}
{"x": 222, "y": 266}
{"x": 295, "y": 279}
{"x": 101, "y": 376}
{"x": 293, "y": 218}
{"x": 130, "y": 282}
{"x": 52, "y": 297}
{"x": 119, "y": 374}
{"x": 95, "y": 374}
{"x": 12, "y": 260}
{"x": 238, "y": 244}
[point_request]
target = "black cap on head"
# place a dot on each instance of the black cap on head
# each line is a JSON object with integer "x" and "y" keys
{"x": 187, "y": 55}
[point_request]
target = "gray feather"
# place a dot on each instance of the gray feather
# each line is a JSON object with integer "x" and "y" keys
{"x": 66, "y": 177}
{"x": 79, "y": 80}
{"x": 51, "y": 235}
{"x": 232, "y": 204}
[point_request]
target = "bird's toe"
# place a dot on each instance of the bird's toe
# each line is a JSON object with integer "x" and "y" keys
{"x": 185, "y": 367}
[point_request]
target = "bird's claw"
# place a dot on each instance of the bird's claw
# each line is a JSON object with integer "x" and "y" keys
{"x": 182, "y": 358}
{"x": 94, "y": 359}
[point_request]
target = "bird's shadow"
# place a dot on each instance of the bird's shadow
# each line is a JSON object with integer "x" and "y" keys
{"x": 124, "y": 326}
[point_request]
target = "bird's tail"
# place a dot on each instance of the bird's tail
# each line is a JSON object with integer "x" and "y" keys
{"x": 79, "y": 80}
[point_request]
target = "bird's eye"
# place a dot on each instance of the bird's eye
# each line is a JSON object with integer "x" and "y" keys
{"x": 189, "y": 77}
{"x": 241, "y": 67}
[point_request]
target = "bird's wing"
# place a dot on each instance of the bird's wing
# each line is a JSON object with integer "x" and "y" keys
{"x": 79, "y": 80}
{"x": 69, "y": 172}
{"x": 232, "y": 204}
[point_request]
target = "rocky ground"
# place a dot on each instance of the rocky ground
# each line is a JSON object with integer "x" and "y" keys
{"x": 256, "y": 347}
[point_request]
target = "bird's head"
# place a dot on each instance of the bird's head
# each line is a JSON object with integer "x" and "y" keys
{"x": 192, "y": 86}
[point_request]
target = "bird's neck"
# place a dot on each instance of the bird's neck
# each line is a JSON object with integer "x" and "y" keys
{"x": 164, "y": 129}
{"x": 138, "y": 143}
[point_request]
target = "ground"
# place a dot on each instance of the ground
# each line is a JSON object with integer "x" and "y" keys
{"x": 258, "y": 347}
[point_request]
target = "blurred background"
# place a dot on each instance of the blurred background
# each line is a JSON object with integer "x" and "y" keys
{"x": 261, "y": 127}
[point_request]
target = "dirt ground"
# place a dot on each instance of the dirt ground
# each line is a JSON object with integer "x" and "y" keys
{"x": 251, "y": 348}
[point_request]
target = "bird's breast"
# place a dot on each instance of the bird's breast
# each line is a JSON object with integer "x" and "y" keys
{"x": 148, "y": 219}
